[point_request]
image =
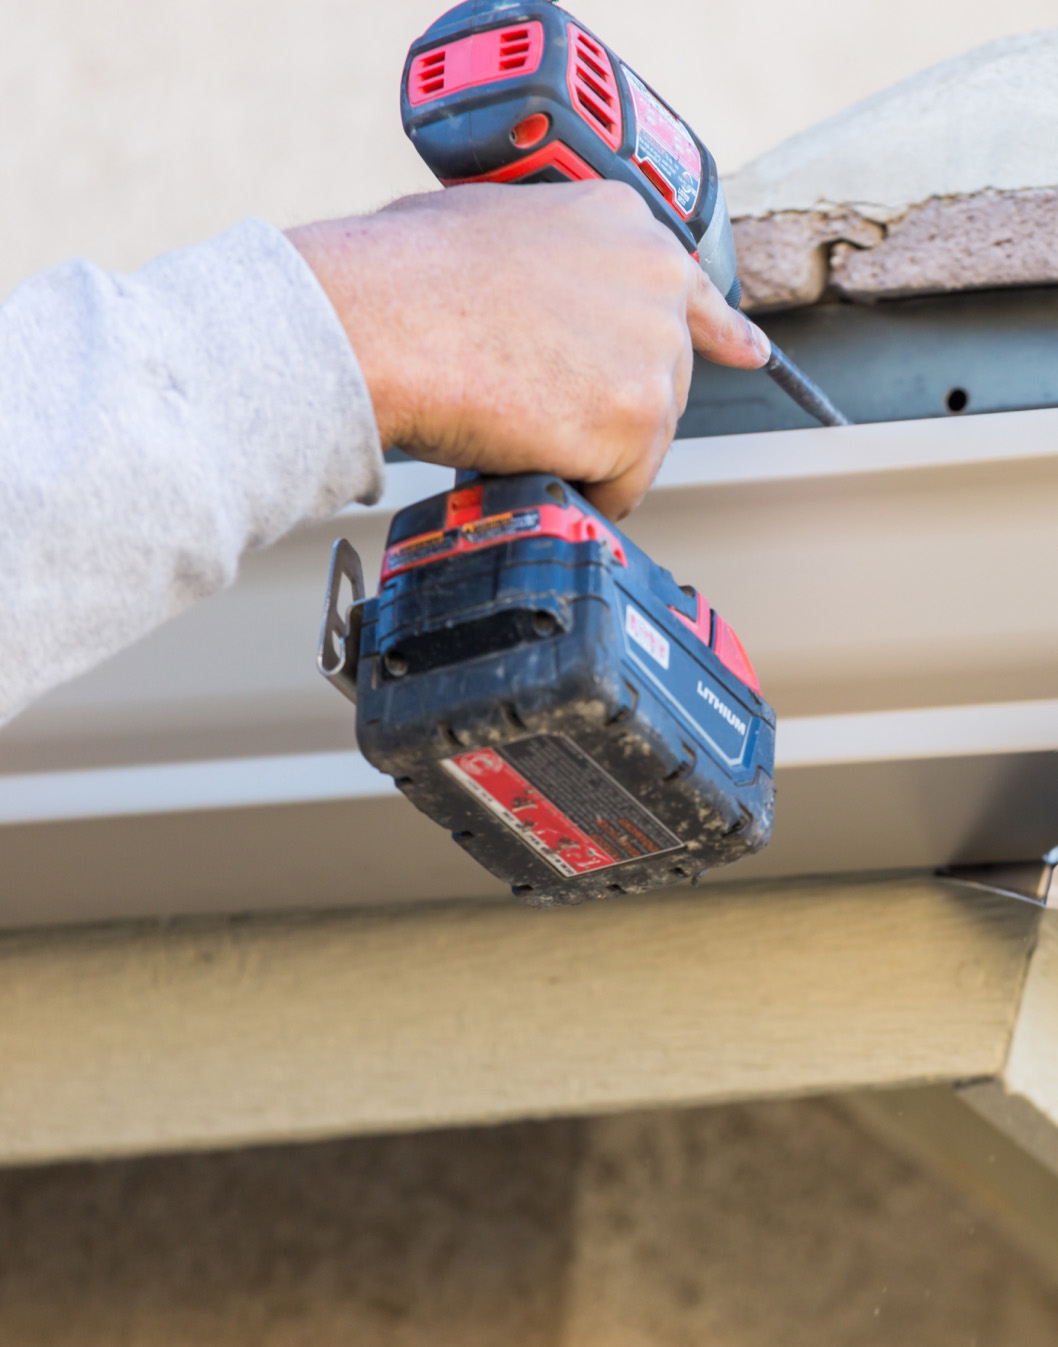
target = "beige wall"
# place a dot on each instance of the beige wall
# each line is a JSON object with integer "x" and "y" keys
{"x": 128, "y": 127}
{"x": 766, "y": 1225}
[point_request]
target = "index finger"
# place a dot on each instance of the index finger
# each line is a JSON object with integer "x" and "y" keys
{"x": 718, "y": 331}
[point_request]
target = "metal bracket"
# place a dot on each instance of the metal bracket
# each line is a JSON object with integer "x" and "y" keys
{"x": 339, "y": 650}
{"x": 1031, "y": 881}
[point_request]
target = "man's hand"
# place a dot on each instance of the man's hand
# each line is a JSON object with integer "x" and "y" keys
{"x": 529, "y": 328}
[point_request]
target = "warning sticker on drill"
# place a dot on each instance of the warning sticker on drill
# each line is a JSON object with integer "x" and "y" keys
{"x": 664, "y": 148}
{"x": 562, "y": 804}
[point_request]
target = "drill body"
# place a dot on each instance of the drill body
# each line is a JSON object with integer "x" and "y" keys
{"x": 519, "y": 91}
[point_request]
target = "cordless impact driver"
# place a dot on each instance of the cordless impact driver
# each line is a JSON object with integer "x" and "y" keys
{"x": 582, "y": 724}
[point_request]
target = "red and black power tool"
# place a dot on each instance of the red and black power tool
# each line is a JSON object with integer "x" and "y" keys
{"x": 580, "y": 722}
{"x": 518, "y": 91}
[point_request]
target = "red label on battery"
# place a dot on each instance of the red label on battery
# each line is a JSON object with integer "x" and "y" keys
{"x": 561, "y": 804}
{"x": 664, "y": 148}
{"x": 551, "y": 521}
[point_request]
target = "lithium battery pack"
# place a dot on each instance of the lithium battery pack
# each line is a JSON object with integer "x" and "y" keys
{"x": 583, "y": 725}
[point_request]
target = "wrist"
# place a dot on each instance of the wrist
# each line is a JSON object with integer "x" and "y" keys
{"x": 357, "y": 268}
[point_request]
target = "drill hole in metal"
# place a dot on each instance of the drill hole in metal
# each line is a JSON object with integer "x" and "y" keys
{"x": 957, "y": 400}
{"x": 544, "y": 624}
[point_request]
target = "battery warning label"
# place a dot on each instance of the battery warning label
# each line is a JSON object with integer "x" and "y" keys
{"x": 479, "y": 531}
{"x": 665, "y": 145}
{"x": 561, "y": 803}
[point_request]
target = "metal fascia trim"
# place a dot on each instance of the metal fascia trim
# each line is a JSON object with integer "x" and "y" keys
{"x": 787, "y": 455}
{"x": 239, "y": 783}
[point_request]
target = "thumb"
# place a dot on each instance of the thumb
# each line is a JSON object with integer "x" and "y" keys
{"x": 718, "y": 331}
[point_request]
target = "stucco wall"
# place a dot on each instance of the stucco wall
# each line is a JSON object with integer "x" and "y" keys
{"x": 743, "y": 1226}
{"x": 129, "y": 128}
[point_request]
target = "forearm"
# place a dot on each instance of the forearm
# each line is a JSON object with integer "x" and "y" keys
{"x": 154, "y": 426}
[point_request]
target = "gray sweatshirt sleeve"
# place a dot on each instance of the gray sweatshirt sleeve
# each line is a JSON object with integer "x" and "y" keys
{"x": 152, "y": 427}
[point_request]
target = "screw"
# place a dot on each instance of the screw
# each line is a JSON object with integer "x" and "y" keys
{"x": 396, "y": 665}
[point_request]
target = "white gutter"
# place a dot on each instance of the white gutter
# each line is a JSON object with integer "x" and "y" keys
{"x": 789, "y": 455}
{"x": 305, "y": 778}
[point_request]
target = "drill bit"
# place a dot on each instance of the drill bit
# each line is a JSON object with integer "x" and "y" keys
{"x": 804, "y": 391}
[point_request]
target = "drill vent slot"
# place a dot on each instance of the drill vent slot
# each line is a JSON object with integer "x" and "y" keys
{"x": 481, "y": 58}
{"x": 430, "y": 73}
{"x": 593, "y": 86}
{"x": 514, "y": 49}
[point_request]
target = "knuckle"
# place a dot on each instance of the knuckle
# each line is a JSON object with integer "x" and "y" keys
{"x": 663, "y": 337}
{"x": 644, "y": 405}
{"x": 617, "y": 197}
{"x": 684, "y": 374}
{"x": 678, "y": 342}
{"x": 667, "y": 262}
{"x": 668, "y": 430}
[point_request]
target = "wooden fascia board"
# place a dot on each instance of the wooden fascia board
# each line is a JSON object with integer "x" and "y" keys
{"x": 1023, "y": 1101}
{"x": 133, "y": 1039}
